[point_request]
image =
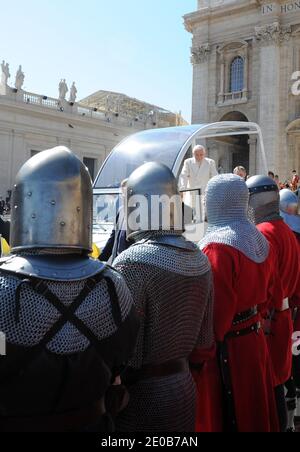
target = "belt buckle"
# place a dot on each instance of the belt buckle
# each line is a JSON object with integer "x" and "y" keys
{"x": 258, "y": 327}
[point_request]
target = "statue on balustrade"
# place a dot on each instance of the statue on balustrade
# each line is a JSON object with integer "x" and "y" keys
{"x": 5, "y": 73}
{"x": 73, "y": 93}
{"x": 63, "y": 89}
{"x": 20, "y": 77}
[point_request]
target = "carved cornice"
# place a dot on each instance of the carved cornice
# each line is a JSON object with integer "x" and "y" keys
{"x": 200, "y": 54}
{"x": 273, "y": 33}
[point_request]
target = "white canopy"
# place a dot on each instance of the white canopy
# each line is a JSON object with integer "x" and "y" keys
{"x": 168, "y": 146}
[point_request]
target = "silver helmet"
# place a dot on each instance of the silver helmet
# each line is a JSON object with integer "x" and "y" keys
{"x": 153, "y": 202}
{"x": 52, "y": 203}
{"x": 264, "y": 199}
{"x": 289, "y": 209}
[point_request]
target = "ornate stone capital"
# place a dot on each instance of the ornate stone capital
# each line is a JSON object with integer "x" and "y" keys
{"x": 273, "y": 33}
{"x": 200, "y": 54}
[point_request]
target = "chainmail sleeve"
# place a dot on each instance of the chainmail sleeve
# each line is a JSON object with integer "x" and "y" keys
{"x": 122, "y": 346}
{"x": 135, "y": 276}
{"x": 206, "y": 337}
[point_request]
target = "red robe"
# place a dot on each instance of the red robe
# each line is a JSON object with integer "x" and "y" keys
{"x": 240, "y": 284}
{"x": 295, "y": 300}
{"x": 288, "y": 263}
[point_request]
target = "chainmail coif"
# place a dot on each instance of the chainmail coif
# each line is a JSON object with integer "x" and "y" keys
{"x": 227, "y": 200}
{"x": 172, "y": 291}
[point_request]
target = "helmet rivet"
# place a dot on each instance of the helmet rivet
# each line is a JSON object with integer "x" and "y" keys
{"x": 33, "y": 216}
{"x": 16, "y": 207}
{"x": 29, "y": 194}
{"x": 62, "y": 223}
{"x": 78, "y": 209}
{"x": 53, "y": 203}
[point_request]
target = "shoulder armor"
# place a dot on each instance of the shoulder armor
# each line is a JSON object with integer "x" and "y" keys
{"x": 172, "y": 241}
{"x": 52, "y": 268}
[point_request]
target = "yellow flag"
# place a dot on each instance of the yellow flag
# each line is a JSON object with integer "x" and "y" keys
{"x": 96, "y": 252}
{"x": 5, "y": 248}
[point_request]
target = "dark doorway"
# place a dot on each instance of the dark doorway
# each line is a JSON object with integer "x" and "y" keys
{"x": 91, "y": 166}
{"x": 240, "y": 156}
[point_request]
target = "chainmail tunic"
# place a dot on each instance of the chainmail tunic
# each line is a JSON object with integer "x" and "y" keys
{"x": 69, "y": 373}
{"x": 37, "y": 315}
{"x": 172, "y": 291}
{"x": 227, "y": 200}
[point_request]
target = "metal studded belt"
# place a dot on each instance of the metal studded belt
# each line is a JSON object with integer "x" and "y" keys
{"x": 244, "y": 331}
{"x": 245, "y": 316}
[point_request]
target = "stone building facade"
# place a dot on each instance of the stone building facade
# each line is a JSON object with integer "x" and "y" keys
{"x": 30, "y": 123}
{"x": 244, "y": 54}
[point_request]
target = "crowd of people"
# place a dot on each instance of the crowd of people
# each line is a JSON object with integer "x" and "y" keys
{"x": 293, "y": 183}
{"x": 173, "y": 336}
{"x": 5, "y": 206}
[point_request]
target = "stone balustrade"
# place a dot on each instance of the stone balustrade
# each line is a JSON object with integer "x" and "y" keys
{"x": 232, "y": 98}
{"x": 62, "y": 106}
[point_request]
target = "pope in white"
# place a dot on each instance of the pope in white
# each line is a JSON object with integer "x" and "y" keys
{"x": 198, "y": 171}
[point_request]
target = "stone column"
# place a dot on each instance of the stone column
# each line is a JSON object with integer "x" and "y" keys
{"x": 246, "y": 59}
{"x": 252, "y": 155}
{"x": 214, "y": 153}
{"x": 222, "y": 81}
{"x": 200, "y": 57}
{"x": 291, "y": 157}
{"x": 269, "y": 37}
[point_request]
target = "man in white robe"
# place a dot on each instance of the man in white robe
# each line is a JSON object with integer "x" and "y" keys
{"x": 196, "y": 174}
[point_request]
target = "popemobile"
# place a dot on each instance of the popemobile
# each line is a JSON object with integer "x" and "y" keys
{"x": 170, "y": 146}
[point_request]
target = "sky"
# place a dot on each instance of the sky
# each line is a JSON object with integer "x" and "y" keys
{"x": 135, "y": 47}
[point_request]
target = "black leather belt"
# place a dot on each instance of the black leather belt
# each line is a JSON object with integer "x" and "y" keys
{"x": 166, "y": 369}
{"x": 245, "y": 316}
{"x": 244, "y": 331}
{"x": 71, "y": 421}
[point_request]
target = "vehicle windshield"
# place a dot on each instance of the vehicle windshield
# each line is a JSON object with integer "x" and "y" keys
{"x": 161, "y": 146}
{"x": 105, "y": 211}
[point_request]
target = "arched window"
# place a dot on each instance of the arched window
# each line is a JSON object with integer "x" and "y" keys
{"x": 237, "y": 75}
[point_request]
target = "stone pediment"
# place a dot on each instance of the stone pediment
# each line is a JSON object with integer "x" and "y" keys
{"x": 233, "y": 45}
{"x": 293, "y": 126}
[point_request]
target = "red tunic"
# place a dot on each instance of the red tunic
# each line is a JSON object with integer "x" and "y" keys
{"x": 295, "y": 300}
{"x": 288, "y": 264}
{"x": 240, "y": 284}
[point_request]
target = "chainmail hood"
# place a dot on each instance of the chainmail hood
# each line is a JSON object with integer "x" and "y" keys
{"x": 147, "y": 235}
{"x": 227, "y": 200}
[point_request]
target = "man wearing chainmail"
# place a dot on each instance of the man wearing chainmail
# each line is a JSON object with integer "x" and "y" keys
{"x": 171, "y": 283}
{"x": 244, "y": 273}
{"x": 289, "y": 210}
{"x": 68, "y": 320}
{"x": 264, "y": 211}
